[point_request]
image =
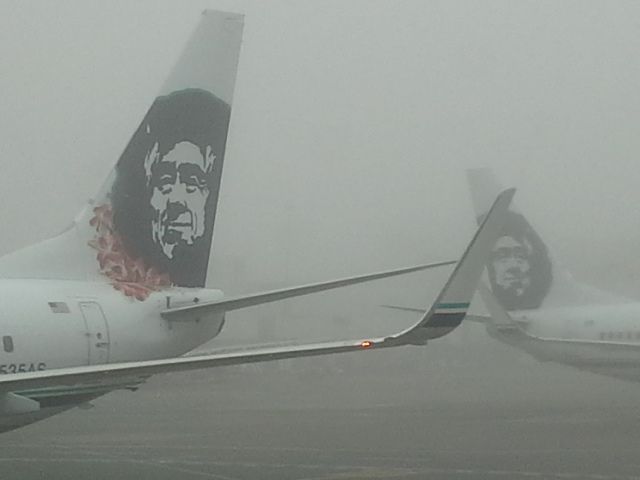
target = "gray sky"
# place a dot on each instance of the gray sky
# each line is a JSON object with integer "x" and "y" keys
{"x": 353, "y": 124}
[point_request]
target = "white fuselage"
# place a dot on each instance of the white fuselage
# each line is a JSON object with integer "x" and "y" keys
{"x": 592, "y": 323}
{"x": 47, "y": 324}
{"x": 604, "y": 339}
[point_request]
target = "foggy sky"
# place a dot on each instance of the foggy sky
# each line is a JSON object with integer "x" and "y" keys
{"x": 352, "y": 126}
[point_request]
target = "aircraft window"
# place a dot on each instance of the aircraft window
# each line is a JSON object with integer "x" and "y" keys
{"x": 7, "y": 343}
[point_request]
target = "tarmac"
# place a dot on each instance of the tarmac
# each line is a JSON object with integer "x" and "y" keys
{"x": 446, "y": 411}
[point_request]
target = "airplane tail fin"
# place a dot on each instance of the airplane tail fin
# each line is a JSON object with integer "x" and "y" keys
{"x": 522, "y": 272}
{"x": 151, "y": 224}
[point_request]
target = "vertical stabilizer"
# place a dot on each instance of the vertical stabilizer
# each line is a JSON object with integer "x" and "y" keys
{"x": 151, "y": 225}
{"x": 522, "y": 272}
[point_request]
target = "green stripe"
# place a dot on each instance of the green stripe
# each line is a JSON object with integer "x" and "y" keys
{"x": 35, "y": 396}
{"x": 452, "y": 305}
{"x": 68, "y": 391}
{"x": 63, "y": 391}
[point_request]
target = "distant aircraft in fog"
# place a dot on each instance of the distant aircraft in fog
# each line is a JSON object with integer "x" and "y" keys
{"x": 537, "y": 306}
{"x": 121, "y": 294}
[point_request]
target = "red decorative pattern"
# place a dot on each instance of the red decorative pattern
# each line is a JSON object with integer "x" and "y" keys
{"x": 129, "y": 275}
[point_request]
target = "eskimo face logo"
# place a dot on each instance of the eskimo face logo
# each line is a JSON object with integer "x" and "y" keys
{"x": 519, "y": 268}
{"x": 510, "y": 260}
{"x": 179, "y": 193}
{"x": 162, "y": 204}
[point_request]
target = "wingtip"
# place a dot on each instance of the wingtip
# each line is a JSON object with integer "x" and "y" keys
{"x": 452, "y": 304}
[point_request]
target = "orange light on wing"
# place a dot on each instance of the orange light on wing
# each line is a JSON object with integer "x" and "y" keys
{"x": 366, "y": 344}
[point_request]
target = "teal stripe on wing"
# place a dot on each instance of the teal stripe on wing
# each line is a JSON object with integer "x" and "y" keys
{"x": 446, "y": 319}
{"x": 447, "y": 306}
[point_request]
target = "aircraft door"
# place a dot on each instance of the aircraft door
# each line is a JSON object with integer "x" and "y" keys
{"x": 97, "y": 332}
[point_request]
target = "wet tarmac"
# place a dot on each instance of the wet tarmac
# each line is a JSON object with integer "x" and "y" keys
{"x": 447, "y": 413}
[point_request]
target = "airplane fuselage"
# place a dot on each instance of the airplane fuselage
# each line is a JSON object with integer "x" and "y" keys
{"x": 594, "y": 323}
{"x": 603, "y": 339}
{"x": 46, "y": 324}
{"x": 51, "y": 324}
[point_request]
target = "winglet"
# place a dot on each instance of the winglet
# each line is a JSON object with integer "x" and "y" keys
{"x": 451, "y": 305}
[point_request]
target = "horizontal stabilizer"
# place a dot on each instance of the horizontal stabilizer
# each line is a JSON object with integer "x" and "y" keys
{"x": 421, "y": 311}
{"x": 244, "y": 301}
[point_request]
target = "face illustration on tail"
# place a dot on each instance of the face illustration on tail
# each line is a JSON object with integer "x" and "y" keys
{"x": 156, "y": 227}
{"x": 519, "y": 267}
{"x": 179, "y": 187}
{"x": 510, "y": 262}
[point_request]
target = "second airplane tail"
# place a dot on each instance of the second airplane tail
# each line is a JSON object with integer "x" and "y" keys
{"x": 522, "y": 272}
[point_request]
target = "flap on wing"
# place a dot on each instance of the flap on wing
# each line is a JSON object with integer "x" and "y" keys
{"x": 421, "y": 311}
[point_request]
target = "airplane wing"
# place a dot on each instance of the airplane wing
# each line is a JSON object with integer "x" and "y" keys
{"x": 446, "y": 313}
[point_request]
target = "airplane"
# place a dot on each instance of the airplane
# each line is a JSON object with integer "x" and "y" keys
{"x": 536, "y": 305}
{"x": 121, "y": 294}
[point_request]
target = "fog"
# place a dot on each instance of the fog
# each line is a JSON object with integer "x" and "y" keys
{"x": 352, "y": 126}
